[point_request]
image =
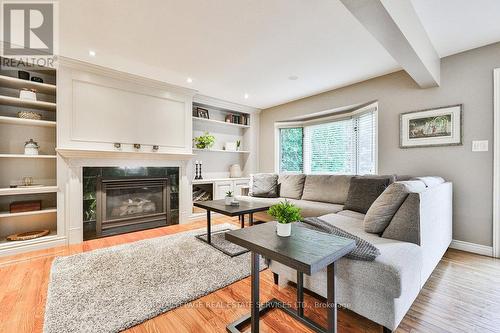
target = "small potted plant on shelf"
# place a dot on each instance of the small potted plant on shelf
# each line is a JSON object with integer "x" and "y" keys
{"x": 238, "y": 144}
{"x": 286, "y": 213}
{"x": 205, "y": 141}
{"x": 229, "y": 198}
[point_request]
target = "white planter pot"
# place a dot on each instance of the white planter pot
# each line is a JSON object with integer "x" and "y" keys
{"x": 228, "y": 201}
{"x": 284, "y": 230}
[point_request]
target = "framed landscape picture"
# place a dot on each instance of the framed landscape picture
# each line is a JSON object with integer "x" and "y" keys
{"x": 432, "y": 127}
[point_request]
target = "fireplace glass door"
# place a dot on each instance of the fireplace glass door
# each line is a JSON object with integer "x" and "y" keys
{"x": 127, "y": 203}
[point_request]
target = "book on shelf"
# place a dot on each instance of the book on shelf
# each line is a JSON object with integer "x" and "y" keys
{"x": 240, "y": 119}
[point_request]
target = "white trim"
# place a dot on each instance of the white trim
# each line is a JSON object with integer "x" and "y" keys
{"x": 472, "y": 247}
{"x": 496, "y": 163}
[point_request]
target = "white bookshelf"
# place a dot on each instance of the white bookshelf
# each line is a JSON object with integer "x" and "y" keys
{"x": 221, "y": 151}
{"x": 28, "y": 190}
{"x": 15, "y": 83}
{"x": 25, "y": 103}
{"x": 52, "y": 210}
{"x": 15, "y": 165}
{"x": 26, "y": 122}
{"x": 219, "y": 122}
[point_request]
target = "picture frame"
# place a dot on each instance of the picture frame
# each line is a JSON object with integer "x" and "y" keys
{"x": 435, "y": 127}
{"x": 202, "y": 113}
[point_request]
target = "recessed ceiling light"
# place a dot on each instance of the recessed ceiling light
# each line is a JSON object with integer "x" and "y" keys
{"x": 246, "y": 96}
{"x": 92, "y": 53}
{"x": 189, "y": 80}
{"x": 293, "y": 77}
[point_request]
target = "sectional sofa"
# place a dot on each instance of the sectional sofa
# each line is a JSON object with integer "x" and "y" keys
{"x": 411, "y": 246}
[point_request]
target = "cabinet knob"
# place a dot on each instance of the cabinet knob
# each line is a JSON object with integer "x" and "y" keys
{"x": 156, "y": 148}
{"x": 137, "y": 146}
{"x": 117, "y": 145}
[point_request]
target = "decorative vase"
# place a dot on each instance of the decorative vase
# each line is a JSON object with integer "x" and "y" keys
{"x": 284, "y": 229}
{"x": 31, "y": 148}
{"x": 235, "y": 171}
{"x": 228, "y": 201}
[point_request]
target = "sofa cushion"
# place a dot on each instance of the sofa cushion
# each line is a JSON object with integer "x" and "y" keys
{"x": 270, "y": 201}
{"x": 264, "y": 185}
{"x": 382, "y": 210}
{"x": 326, "y": 188}
{"x": 363, "y": 191}
{"x": 405, "y": 225}
{"x": 291, "y": 185}
{"x": 315, "y": 208}
{"x": 353, "y": 214}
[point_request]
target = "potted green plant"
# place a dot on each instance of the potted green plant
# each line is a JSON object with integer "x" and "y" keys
{"x": 229, "y": 198}
{"x": 205, "y": 141}
{"x": 238, "y": 144}
{"x": 285, "y": 213}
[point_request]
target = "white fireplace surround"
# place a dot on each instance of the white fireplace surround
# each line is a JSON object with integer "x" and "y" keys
{"x": 70, "y": 194}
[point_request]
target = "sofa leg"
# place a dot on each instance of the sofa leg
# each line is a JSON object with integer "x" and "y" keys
{"x": 276, "y": 278}
{"x": 386, "y": 330}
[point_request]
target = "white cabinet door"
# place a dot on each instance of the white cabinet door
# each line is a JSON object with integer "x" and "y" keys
{"x": 239, "y": 185}
{"x": 222, "y": 187}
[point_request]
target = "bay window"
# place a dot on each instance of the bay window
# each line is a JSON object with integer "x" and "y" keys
{"x": 342, "y": 145}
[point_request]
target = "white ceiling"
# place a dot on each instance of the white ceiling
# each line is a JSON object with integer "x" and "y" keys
{"x": 233, "y": 47}
{"x": 455, "y": 26}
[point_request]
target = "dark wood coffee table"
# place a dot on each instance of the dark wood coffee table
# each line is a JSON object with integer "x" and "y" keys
{"x": 306, "y": 251}
{"x": 219, "y": 206}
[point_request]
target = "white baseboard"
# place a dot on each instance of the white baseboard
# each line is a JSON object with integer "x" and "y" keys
{"x": 471, "y": 247}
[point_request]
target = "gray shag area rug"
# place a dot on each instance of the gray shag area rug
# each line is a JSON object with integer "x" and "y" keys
{"x": 218, "y": 240}
{"x": 112, "y": 289}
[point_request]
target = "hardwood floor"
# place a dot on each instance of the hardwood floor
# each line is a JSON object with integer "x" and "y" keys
{"x": 462, "y": 295}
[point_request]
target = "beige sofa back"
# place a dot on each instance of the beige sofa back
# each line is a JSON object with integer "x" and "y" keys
{"x": 326, "y": 188}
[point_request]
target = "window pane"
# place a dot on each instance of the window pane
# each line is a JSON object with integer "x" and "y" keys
{"x": 330, "y": 147}
{"x": 291, "y": 149}
{"x": 366, "y": 143}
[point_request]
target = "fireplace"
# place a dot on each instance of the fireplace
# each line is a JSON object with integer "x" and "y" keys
{"x": 132, "y": 204}
{"x": 118, "y": 200}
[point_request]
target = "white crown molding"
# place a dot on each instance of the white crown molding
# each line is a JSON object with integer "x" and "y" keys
{"x": 472, "y": 247}
{"x": 219, "y": 103}
{"x": 108, "y": 72}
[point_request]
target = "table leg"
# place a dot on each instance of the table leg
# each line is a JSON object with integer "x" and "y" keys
{"x": 250, "y": 221}
{"x": 300, "y": 294}
{"x": 255, "y": 293}
{"x": 331, "y": 305}
{"x": 242, "y": 220}
{"x": 209, "y": 227}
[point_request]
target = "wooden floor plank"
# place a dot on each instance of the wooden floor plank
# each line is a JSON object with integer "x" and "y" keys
{"x": 462, "y": 295}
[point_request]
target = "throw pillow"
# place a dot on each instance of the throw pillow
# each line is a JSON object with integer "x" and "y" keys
{"x": 264, "y": 185}
{"x": 363, "y": 191}
{"x": 291, "y": 185}
{"x": 382, "y": 210}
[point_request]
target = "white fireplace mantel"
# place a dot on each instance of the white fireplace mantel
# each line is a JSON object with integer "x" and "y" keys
{"x": 109, "y": 154}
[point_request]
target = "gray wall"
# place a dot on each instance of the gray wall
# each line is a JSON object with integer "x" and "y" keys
{"x": 466, "y": 78}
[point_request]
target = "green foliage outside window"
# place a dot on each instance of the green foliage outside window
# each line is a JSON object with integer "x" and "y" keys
{"x": 291, "y": 149}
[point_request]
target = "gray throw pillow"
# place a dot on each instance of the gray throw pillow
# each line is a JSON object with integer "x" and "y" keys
{"x": 364, "y": 190}
{"x": 382, "y": 210}
{"x": 291, "y": 185}
{"x": 264, "y": 185}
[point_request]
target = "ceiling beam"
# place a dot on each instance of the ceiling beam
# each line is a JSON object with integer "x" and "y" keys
{"x": 395, "y": 24}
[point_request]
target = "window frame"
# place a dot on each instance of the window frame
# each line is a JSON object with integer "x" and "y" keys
{"x": 328, "y": 117}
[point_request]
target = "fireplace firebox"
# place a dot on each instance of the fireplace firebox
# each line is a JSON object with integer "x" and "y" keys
{"x": 129, "y": 204}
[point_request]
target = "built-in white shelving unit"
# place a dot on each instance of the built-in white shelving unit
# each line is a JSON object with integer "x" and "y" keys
{"x": 221, "y": 151}
{"x": 25, "y": 103}
{"x": 26, "y": 122}
{"x": 219, "y": 122}
{"x": 15, "y": 166}
{"x": 28, "y": 190}
{"x": 36, "y": 212}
